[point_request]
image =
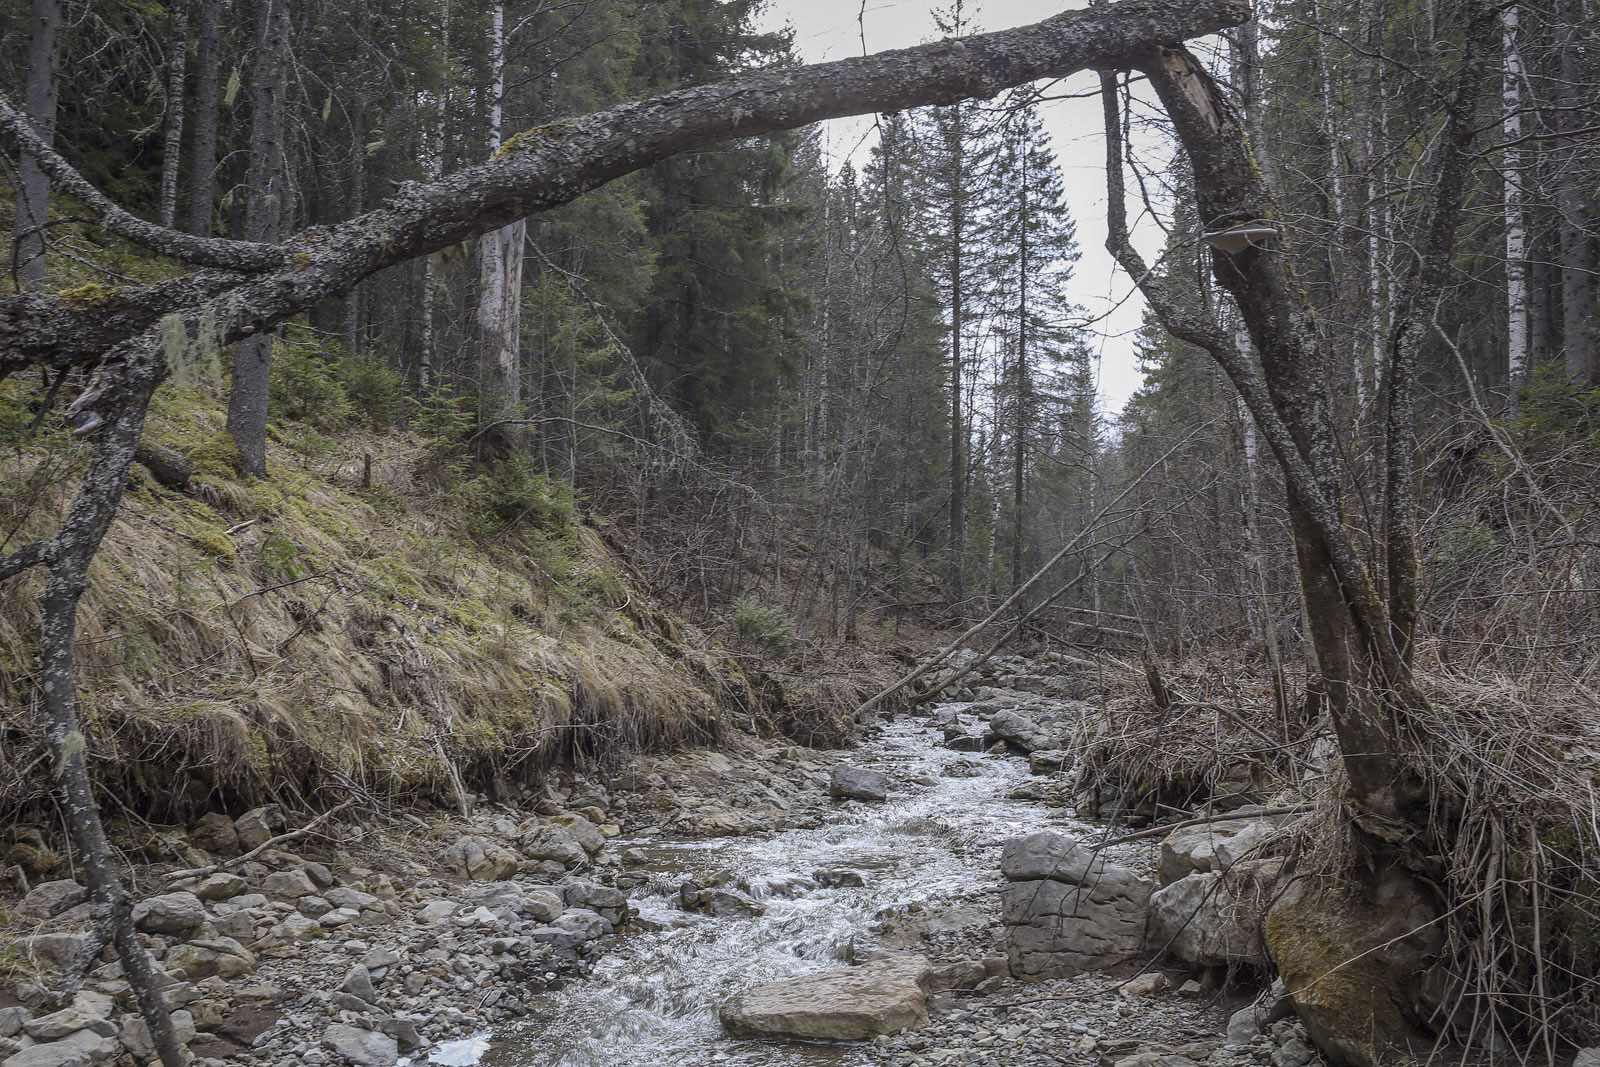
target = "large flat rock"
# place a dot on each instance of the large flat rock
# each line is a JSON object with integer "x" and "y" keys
{"x": 881, "y": 997}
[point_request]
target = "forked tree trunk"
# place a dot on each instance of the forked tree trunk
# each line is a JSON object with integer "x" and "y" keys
{"x": 1363, "y": 630}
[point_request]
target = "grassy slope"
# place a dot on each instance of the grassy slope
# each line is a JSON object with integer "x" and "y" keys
{"x": 303, "y": 635}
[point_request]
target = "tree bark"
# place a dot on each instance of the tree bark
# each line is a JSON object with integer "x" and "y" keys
{"x": 172, "y": 152}
{"x": 39, "y": 102}
{"x": 1363, "y": 633}
{"x": 252, "y": 359}
{"x": 1578, "y": 262}
{"x": 203, "y": 144}
{"x": 561, "y": 161}
{"x": 500, "y": 256}
{"x": 1513, "y": 179}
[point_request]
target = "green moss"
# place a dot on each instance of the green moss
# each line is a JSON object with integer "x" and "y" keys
{"x": 216, "y": 456}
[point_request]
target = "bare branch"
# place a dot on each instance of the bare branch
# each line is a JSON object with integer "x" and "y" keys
{"x": 204, "y": 251}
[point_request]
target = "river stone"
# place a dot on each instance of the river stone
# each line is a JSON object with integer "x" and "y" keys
{"x": 611, "y": 903}
{"x": 1587, "y": 1057}
{"x": 555, "y": 843}
{"x": 169, "y": 913}
{"x": 586, "y": 833}
{"x": 49, "y": 899}
{"x": 220, "y": 956}
{"x": 82, "y": 1049}
{"x": 88, "y": 1011}
{"x": 11, "y": 1020}
{"x": 857, "y": 783}
{"x": 1022, "y": 732}
{"x": 257, "y": 826}
{"x": 215, "y": 832}
{"x": 288, "y": 885}
{"x": 481, "y": 859}
{"x": 882, "y": 997}
{"x": 1067, "y": 910}
{"x": 1214, "y": 847}
{"x": 135, "y": 1033}
{"x": 542, "y": 905}
{"x": 363, "y": 1048}
{"x": 221, "y": 886}
{"x": 1214, "y": 919}
{"x": 57, "y": 950}
{"x": 1351, "y": 961}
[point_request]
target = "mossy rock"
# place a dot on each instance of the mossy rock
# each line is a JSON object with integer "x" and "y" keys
{"x": 1352, "y": 959}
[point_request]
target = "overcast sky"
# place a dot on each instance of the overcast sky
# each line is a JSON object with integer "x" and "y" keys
{"x": 828, "y": 29}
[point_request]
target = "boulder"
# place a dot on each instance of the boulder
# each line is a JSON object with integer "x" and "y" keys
{"x": 1214, "y": 919}
{"x": 1048, "y": 761}
{"x": 857, "y": 783}
{"x": 1351, "y": 959}
{"x": 1215, "y": 846}
{"x": 258, "y": 825}
{"x": 586, "y": 833}
{"x": 288, "y": 885}
{"x": 221, "y": 886}
{"x": 215, "y": 832}
{"x": 88, "y": 1011}
{"x": 882, "y": 997}
{"x": 56, "y": 950}
{"x": 358, "y": 982}
{"x": 482, "y": 860}
{"x": 363, "y": 1048}
{"x": 1066, "y": 910}
{"x": 169, "y": 913}
{"x": 11, "y": 1020}
{"x": 542, "y": 905}
{"x": 610, "y": 903}
{"x": 555, "y": 843}
{"x": 82, "y": 1049}
{"x": 1587, "y": 1057}
{"x": 220, "y": 956}
{"x": 135, "y": 1033}
{"x": 49, "y": 899}
{"x": 1023, "y": 732}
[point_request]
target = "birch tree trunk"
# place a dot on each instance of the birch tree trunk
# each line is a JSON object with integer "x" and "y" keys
{"x": 499, "y": 311}
{"x": 172, "y": 153}
{"x": 39, "y": 104}
{"x": 1516, "y": 233}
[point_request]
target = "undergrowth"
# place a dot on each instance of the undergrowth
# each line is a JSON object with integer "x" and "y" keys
{"x": 309, "y": 635}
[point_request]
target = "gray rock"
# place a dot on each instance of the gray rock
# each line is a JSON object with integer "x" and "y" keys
{"x": 496, "y": 896}
{"x": 1022, "y": 732}
{"x": 221, "y": 886}
{"x": 358, "y": 982}
{"x": 288, "y": 885}
{"x": 57, "y": 950}
{"x": 82, "y": 1049}
{"x": 1587, "y": 1057}
{"x": 11, "y": 1020}
{"x": 605, "y": 901}
{"x": 49, "y": 899}
{"x": 313, "y": 907}
{"x": 857, "y": 783}
{"x": 1242, "y": 1028}
{"x": 170, "y": 913}
{"x": 481, "y": 859}
{"x": 541, "y": 905}
{"x": 1067, "y": 910}
{"x": 555, "y": 843}
{"x": 1215, "y": 846}
{"x": 882, "y": 997}
{"x": 255, "y": 827}
{"x": 220, "y": 956}
{"x": 363, "y": 1048}
{"x": 586, "y": 833}
{"x": 1211, "y": 919}
{"x": 88, "y": 1011}
{"x": 215, "y": 832}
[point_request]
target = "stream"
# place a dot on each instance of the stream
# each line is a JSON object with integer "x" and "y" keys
{"x": 652, "y": 1000}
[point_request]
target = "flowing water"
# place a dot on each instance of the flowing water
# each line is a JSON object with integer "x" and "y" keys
{"x": 653, "y": 998}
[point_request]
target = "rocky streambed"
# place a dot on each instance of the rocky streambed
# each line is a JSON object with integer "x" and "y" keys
{"x": 757, "y": 905}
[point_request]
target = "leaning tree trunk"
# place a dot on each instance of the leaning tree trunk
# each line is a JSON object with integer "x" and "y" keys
{"x": 1362, "y": 629}
{"x": 39, "y": 102}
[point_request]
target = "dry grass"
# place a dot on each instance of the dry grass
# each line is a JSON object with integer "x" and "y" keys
{"x": 304, "y": 637}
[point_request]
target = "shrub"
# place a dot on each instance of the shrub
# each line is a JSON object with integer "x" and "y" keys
{"x": 766, "y": 627}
